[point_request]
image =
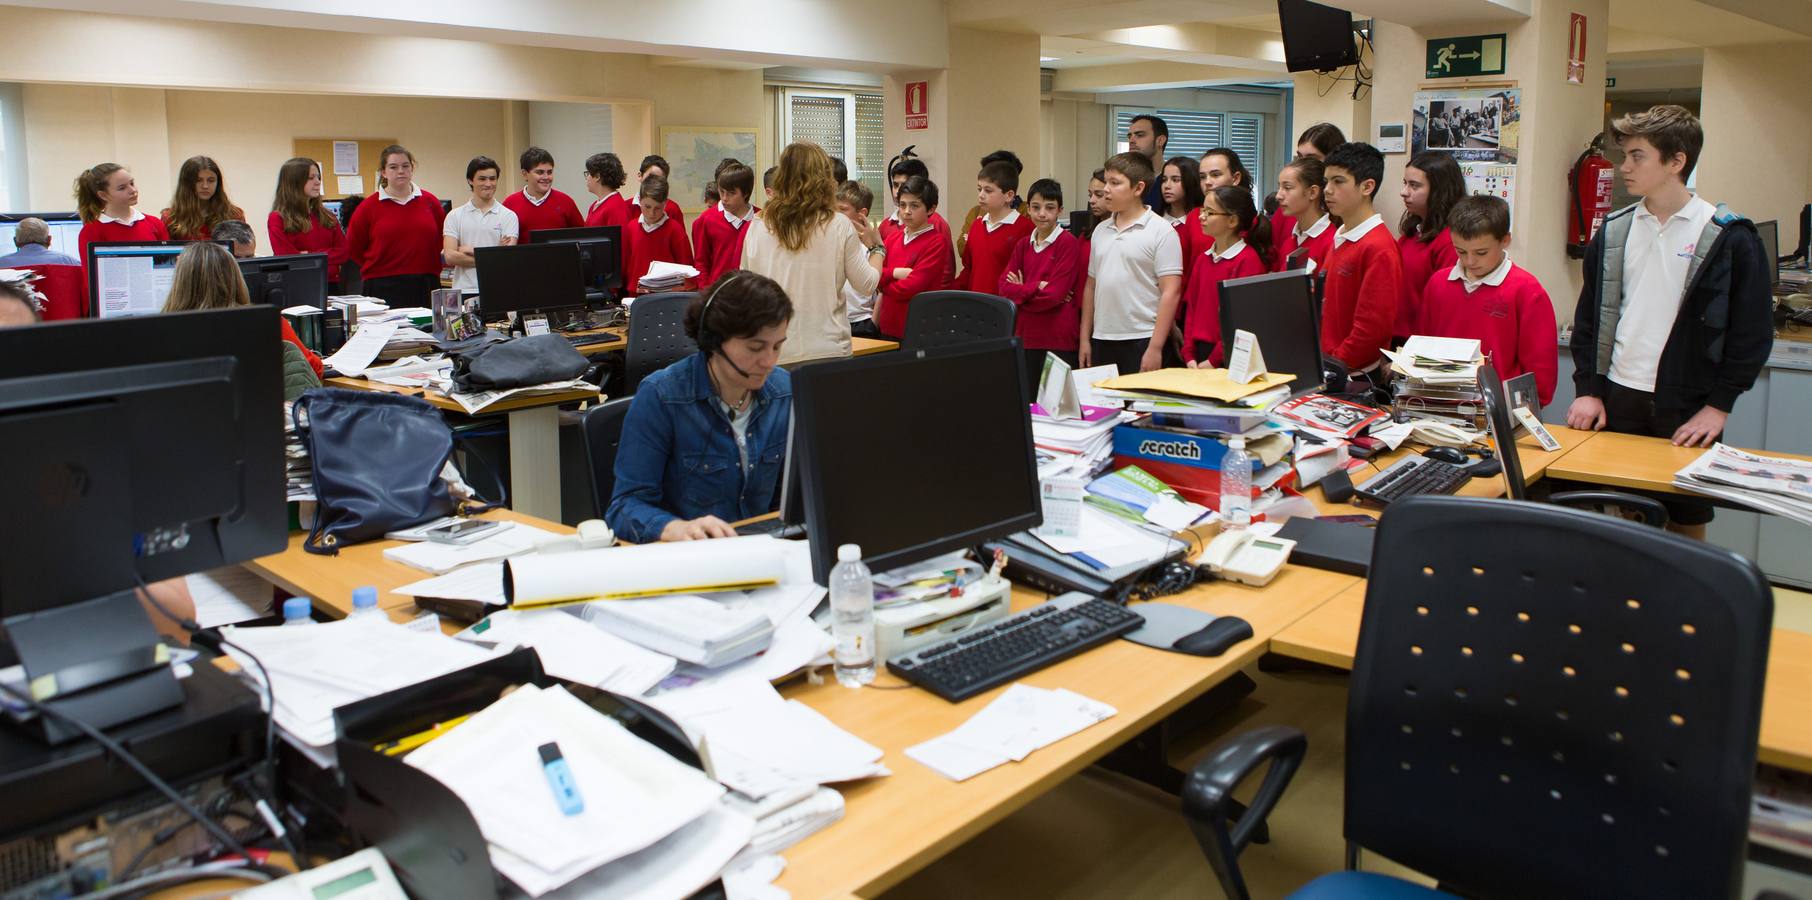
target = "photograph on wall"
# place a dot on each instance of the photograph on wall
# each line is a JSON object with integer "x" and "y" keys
{"x": 694, "y": 151}
{"x": 1478, "y": 125}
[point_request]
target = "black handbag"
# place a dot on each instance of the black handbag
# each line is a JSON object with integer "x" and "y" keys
{"x": 377, "y": 460}
{"x": 525, "y": 361}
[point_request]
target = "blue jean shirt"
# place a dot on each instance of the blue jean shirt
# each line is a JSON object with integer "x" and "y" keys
{"x": 678, "y": 457}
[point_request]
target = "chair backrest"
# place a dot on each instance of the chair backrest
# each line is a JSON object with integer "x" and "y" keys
{"x": 948, "y": 318}
{"x": 65, "y": 291}
{"x": 657, "y": 335}
{"x": 1551, "y": 703}
{"x": 601, "y": 427}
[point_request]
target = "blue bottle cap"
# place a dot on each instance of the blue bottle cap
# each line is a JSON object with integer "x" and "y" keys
{"x": 364, "y": 597}
{"x": 295, "y": 608}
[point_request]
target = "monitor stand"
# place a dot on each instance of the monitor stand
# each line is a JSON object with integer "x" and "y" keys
{"x": 99, "y": 661}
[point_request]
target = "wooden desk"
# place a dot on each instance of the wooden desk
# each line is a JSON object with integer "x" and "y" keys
{"x": 859, "y": 346}
{"x": 1536, "y": 462}
{"x": 1633, "y": 461}
{"x": 534, "y": 424}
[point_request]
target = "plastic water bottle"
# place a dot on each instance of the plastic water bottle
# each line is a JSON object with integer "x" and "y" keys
{"x": 296, "y": 611}
{"x": 852, "y": 603}
{"x": 1236, "y": 486}
{"x": 364, "y": 603}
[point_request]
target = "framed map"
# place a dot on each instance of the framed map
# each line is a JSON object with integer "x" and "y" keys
{"x": 694, "y": 151}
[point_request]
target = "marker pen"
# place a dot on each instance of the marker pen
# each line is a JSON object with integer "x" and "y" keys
{"x": 560, "y": 779}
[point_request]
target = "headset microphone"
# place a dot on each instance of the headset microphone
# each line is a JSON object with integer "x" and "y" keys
{"x": 717, "y": 341}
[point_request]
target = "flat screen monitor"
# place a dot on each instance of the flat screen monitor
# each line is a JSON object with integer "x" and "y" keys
{"x": 600, "y": 254}
{"x": 914, "y": 453}
{"x": 1316, "y": 38}
{"x": 525, "y": 277}
{"x": 286, "y": 281}
{"x": 334, "y": 206}
{"x": 1279, "y": 310}
{"x": 155, "y": 444}
{"x": 1503, "y": 432}
{"x": 131, "y": 278}
{"x": 65, "y": 230}
{"x": 1771, "y": 248}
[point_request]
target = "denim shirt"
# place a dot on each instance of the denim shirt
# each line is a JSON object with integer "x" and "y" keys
{"x": 678, "y": 457}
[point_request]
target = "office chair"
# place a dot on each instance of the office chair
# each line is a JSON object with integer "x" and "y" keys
{"x": 1544, "y": 703}
{"x": 1647, "y": 510}
{"x": 947, "y": 318}
{"x": 601, "y": 427}
{"x": 657, "y": 335}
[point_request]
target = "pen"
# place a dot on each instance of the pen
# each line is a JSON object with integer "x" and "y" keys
{"x": 401, "y": 746}
{"x": 560, "y": 779}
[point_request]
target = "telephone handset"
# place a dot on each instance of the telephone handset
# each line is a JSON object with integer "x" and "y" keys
{"x": 1246, "y": 557}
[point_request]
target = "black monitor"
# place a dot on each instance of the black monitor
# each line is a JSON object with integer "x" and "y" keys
{"x": 886, "y": 462}
{"x": 525, "y": 277}
{"x": 131, "y": 278}
{"x": 600, "y": 253}
{"x": 1503, "y": 431}
{"x": 1315, "y": 37}
{"x": 1771, "y": 248}
{"x": 1279, "y": 310}
{"x": 286, "y": 281}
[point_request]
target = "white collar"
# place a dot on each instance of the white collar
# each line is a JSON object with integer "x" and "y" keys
{"x": 1313, "y": 231}
{"x": 131, "y": 219}
{"x": 650, "y": 229}
{"x": 1494, "y": 279}
{"x": 906, "y": 237}
{"x": 1175, "y": 220}
{"x": 1232, "y": 251}
{"x": 1694, "y": 208}
{"x": 532, "y": 201}
{"x": 1039, "y": 246}
{"x": 1144, "y": 219}
{"x": 415, "y": 190}
{"x": 735, "y": 222}
{"x": 483, "y": 210}
{"x": 1008, "y": 219}
{"x": 1358, "y": 231}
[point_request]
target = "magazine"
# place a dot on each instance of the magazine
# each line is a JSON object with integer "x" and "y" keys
{"x": 1775, "y": 484}
{"x": 1330, "y": 414}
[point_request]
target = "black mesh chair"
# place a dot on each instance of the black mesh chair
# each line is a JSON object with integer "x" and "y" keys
{"x": 1545, "y": 703}
{"x": 602, "y": 429}
{"x": 948, "y": 318}
{"x": 657, "y": 335}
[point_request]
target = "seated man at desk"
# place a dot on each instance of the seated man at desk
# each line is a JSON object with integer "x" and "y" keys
{"x": 705, "y": 438}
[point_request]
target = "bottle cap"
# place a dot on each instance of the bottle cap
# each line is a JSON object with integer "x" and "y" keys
{"x": 364, "y": 597}
{"x": 1238, "y": 443}
{"x": 295, "y": 608}
{"x": 849, "y": 553}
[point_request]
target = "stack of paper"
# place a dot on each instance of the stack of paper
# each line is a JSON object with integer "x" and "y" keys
{"x": 678, "y": 865}
{"x": 405, "y": 341}
{"x": 758, "y": 744}
{"x": 414, "y": 371}
{"x": 298, "y": 470}
{"x": 1107, "y": 541}
{"x": 513, "y": 539}
{"x": 691, "y": 628}
{"x": 228, "y": 595}
{"x": 1773, "y": 484}
{"x": 479, "y": 400}
{"x": 665, "y": 276}
{"x": 1437, "y": 379}
{"x": 1133, "y": 494}
{"x": 573, "y": 649}
{"x": 786, "y": 817}
{"x": 1019, "y": 721}
{"x": 1077, "y": 445}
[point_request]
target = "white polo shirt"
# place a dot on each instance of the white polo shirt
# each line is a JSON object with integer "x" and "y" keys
{"x": 474, "y": 227}
{"x": 1655, "y": 259}
{"x": 1126, "y": 264}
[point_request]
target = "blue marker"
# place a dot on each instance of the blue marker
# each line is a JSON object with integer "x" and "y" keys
{"x": 560, "y": 779}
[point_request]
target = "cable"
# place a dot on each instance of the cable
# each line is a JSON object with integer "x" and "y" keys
{"x": 226, "y": 868}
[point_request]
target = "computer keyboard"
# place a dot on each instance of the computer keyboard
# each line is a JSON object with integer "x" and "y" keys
{"x": 1023, "y": 643}
{"x": 582, "y": 340}
{"x": 1410, "y": 476}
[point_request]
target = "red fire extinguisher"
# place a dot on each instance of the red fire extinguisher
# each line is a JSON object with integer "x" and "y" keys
{"x": 1589, "y": 185}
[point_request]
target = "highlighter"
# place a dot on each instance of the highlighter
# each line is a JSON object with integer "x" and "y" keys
{"x": 560, "y": 779}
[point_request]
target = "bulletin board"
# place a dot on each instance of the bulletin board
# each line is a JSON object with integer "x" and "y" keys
{"x": 1479, "y": 126}
{"x": 371, "y": 162}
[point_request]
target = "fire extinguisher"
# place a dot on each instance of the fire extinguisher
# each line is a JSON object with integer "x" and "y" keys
{"x": 1589, "y": 185}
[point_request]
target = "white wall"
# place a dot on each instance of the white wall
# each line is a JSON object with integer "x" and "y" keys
{"x": 1758, "y": 126}
{"x": 571, "y": 132}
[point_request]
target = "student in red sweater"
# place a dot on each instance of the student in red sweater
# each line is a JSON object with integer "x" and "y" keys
{"x": 1241, "y": 242}
{"x": 200, "y": 201}
{"x": 721, "y": 231}
{"x": 538, "y": 206}
{"x": 604, "y": 178}
{"x": 395, "y": 235}
{"x": 914, "y": 258}
{"x": 107, "y": 200}
{"x": 896, "y": 177}
{"x": 654, "y": 164}
{"x": 1180, "y": 184}
{"x": 1315, "y": 142}
{"x": 1040, "y": 278}
{"x": 1487, "y": 297}
{"x": 1432, "y": 184}
{"x": 301, "y": 223}
{"x": 1364, "y": 272}
{"x": 655, "y": 237}
{"x": 996, "y": 231}
{"x": 1300, "y": 188}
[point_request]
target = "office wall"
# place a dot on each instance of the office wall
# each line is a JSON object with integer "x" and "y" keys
{"x": 1074, "y": 131}
{"x": 1758, "y": 124}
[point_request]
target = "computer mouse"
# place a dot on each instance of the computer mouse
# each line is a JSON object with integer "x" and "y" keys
{"x": 1450, "y": 455}
{"x": 1215, "y": 638}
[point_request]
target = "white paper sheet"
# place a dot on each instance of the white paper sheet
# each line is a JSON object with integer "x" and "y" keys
{"x": 1085, "y": 380}
{"x": 678, "y": 865}
{"x": 346, "y": 157}
{"x": 576, "y": 650}
{"x": 514, "y": 539}
{"x": 228, "y": 595}
{"x": 359, "y": 351}
{"x": 649, "y": 569}
{"x": 1460, "y": 350}
{"x": 482, "y": 583}
{"x": 1019, "y": 721}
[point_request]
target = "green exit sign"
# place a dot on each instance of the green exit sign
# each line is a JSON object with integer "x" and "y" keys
{"x": 1466, "y": 57}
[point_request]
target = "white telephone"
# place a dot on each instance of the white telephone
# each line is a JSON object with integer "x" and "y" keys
{"x": 1246, "y": 557}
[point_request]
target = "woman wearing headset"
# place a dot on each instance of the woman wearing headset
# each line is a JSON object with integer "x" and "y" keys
{"x": 705, "y": 439}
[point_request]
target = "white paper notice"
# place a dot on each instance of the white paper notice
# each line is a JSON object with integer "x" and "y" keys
{"x": 1247, "y": 362}
{"x": 350, "y": 185}
{"x": 364, "y": 347}
{"x": 346, "y": 157}
{"x": 1085, "y": 381}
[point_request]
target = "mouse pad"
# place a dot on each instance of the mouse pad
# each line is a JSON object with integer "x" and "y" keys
{"x": 1166, "y": 624}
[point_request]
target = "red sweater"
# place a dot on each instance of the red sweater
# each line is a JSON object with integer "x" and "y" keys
{"x": 149, "y": 228}
{"x": 892, "y": 226}
{"x": 717, "y": 245}
{"x": 985, "y": 253}
{"x": 1513, "y": 323}
{"x": 557, "y": 211}
{"x": 1203, "y": 294}
{"x": 928, "y": 256}
{"x": 612, "y": 210}
{"x": 388, "y": 238}
{"x": 1359, "y": 298}
{"x": 1050, "y": 318}
{"x": 1420, "y": 260}
{"x": 1281, "y": 226}
{"x": 1189, "y": 233}
{"x": 207, "y": 231}
{"x": 644, "y": 248}
{"x": 1318, "y": 245}
{"x": 331, "y": 241}
{"x": 289, "y": 334}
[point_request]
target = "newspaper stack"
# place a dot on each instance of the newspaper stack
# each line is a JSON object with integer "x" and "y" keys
{"x": 1438, "y": 379}
{"x": 1772, "y": 484}
{"x": 665, "y": 276}
{"x": 298, "y": 471}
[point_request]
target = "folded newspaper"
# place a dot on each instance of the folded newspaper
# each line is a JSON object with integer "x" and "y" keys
{"x": 474, "y": 402}
{"x": 1775, "y": 484}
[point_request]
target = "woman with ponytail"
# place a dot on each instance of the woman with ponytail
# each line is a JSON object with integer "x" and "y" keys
{"x": 1241, "y": 238}
{"x": 107, "y": 200}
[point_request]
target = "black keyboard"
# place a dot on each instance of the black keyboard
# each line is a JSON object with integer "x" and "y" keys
{"x": 1410, "y": 476}
{"x": 774, "y": 526}
{"x": 1025, "y": 642}
{"x": 582, "y": 340}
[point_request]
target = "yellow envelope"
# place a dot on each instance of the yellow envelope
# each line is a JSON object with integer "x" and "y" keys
{"x": 1208, "y": 384}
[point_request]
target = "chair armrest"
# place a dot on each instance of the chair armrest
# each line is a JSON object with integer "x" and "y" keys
{"x": 1652, "y": 511}
{"x": 1208, "y": 794}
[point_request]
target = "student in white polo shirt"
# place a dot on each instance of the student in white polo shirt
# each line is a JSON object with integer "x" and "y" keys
{"x": 1135, "y": 277}
{"x": 481, "y": 222}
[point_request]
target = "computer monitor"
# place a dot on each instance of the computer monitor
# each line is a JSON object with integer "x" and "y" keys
{"x": 600, "y": 254}
{"x": 333, "y": 206}
{"x": 286, "y": 281}
{"x": 131, "y": 278}
{"x": 1771, "y": 248}
{"x": 962, "y": 473}
{"x": 525, "y": 277}
{"x": 65, "y": 230}
{"x": 1316, "y": 37}
{"x": 1503, "y": 431}
{"x": 1279, "y": 310}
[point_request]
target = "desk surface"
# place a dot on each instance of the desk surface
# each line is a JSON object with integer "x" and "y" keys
{"x": 1633, "y": 461}
{"x": 1535, "y": 461}
{"x": 440, "y": 401}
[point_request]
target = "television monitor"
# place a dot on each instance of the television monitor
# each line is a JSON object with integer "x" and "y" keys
{"x": 65, "y": 230}
{"x": 524, "y": 277}
{"x": 1771, "y": 248}
{"x": 1316, "y": 38}
{"x": 1279, "y": 310}
{"x": 131, "y": 278}
{"x": 286, "y": 281}
{"x": 967, "y": 469}
{"x": 600, "y": 253}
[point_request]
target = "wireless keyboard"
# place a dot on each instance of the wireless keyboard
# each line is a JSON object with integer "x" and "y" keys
{"x": 1025, "y": 642}
{"x": 1410, "y": 476}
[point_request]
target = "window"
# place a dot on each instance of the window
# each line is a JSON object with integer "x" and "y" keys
{"x": 1194, "y": 132}
{"x": 849, "y": 125}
